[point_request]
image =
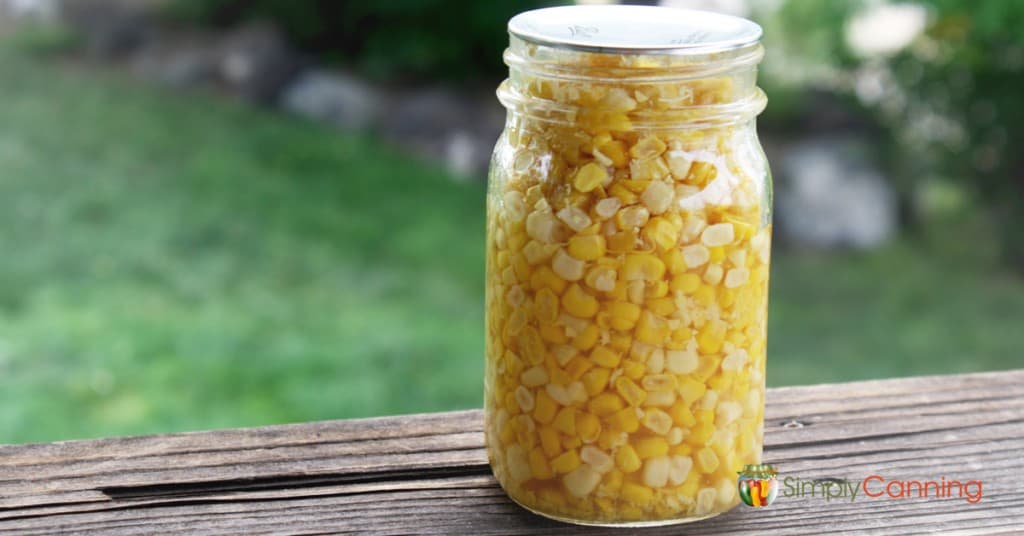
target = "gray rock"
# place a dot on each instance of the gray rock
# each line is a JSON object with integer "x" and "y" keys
{"x": 456, "y": 127}
{"x": 829, "y": 194}
{"x": 256, "y": 62}
{"x": 182, "y": 61}
{"x": 333, "y": 97}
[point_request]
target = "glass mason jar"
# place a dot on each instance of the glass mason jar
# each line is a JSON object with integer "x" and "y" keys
{"x": 628, "y": 240}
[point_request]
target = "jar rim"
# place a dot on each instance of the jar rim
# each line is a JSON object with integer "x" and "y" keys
{"x": 641, "y": 30}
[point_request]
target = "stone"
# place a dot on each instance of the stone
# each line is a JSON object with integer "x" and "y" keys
{"x": 333, "y": 97}
{"x": 830, "y": 194}
{"x": 256, "y": 62}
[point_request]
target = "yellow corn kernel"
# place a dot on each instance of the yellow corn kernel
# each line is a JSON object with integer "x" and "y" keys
{"x": 633, "y": 369}
{"x": 624, "y": 315}
{"x": 626, "y": 459}
{"x": 549, "y": 441}
{"x": 544, "y": 407}
{"x": 704, "y": 295}
{"x": 687, "y": 283}
{"x": 690, "y": 390}
{"x": 681, "y": 415}
{"x": 673, "y": 259}
{"x": 553, "y": 334}
{"x": 589, "y": 177}
{"x": 717, "y": 254}
{"x": 636, "y": 493}
{"x": 545, "y": 277}
{"x": 577, "y": 367}
{"x": 605, "y": 357}
{"x": 579, "y": 303}
{"x": 648, "y": 147}
{"x": 707, "y": 460}
{"x": 587, "y": 247}
{"x": 622, "y": 241}
{"x": 531, "y": 346}
{"x": 700, "y": 434}
{"x": 649, "y": 447}
{"x": 620, "y": 342}
{"x": 571, "y": 442}
{"x": 539, "y": 465}
{"x": 706, "y": 416}
{"x": 651, "y": 329}
{"x": 605, "y": 404}
{"x": 566, "y": 462}
{"x": 623, "y": 194}
{"x": 565, "y": 421}
{"x": 711, "y": 337}
{"x": 701, "y": 173}
{"x": 661, "y": 233}
{"x": 613, "y": 480}
{"x": 587, "y": 338}
{"x": 596, "y": 380}
{"x": 588, "y": 426}
{"x": 546, "y": 306}
{"x": 642, "y": 266}
{"x": 624, "y": 420}
{"x": 630, "y": 391}
{"x": 662, "y": 306}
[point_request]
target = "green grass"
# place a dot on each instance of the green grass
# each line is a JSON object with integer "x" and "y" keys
{"x": 173, "y": 262}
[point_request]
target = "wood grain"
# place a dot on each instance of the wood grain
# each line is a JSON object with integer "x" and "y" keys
{"x": 429, "y": 474}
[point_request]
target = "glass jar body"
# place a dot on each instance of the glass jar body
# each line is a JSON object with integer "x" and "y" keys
{"x": 627, "y": 281}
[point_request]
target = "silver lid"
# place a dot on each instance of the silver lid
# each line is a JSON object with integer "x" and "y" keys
{"x": 634, "y": 29}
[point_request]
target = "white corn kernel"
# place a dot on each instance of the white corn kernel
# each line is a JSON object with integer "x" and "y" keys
{"x": 693, "y": 227}
{"x": 681, "y": 361}
{"x": 718, "y": 234}
{"x": 542, "y": 226}
{"x": 575, "y": 218}
{"x": 534, "y": 376}
{"x": 735, "y": 360}
{"x": 577, "y": 392}
{"x": 597, "y": 458}
{"x": 738, "y": 257}
{"x": 706, "y": 500}
{"x": 607, "y": 207}
{"x": 515, "y": 206}
{"x": 657, "y": 421}
{"x": 679, "y": 164}
{"x": 559, "y": 394}
{"x": 566, "y": 266}
{"x": 657, "y": 197}
{"x": 564, "y": 353}
{"x": 727, "y": 412}
{"x": 710, "y": 399}
{"x": 515, "y": 296}
{"x": 581, "y": 481}
{"x": 736, "y": 277}
{"x": 524, "y": 398}
{"x": 713, "y": 274}
{"x": 679, "y": 468}
{"x": 696, "y": 255}
{"x": 660, "y": 398}
{"x": 675, "y": 436}
{"x": 656, "y": 361}
{"x": 656, "y": 471}
{"x": 518, "y": 463}
{"x": 634, "y": 216}
{"x": 726, "y": 492}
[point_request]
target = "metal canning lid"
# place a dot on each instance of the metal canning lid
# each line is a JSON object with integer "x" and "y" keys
{"x": 620, "y": 29}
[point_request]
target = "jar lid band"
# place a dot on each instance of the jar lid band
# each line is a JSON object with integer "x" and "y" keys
{"x": 618, "y": 29}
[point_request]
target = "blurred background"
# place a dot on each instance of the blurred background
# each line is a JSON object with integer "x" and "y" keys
{"x": 221, "y": 213}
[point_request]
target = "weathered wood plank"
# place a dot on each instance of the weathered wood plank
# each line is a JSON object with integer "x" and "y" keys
{"x": 429, "y": 474}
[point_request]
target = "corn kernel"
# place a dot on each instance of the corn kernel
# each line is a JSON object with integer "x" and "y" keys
{"x": 605, "y": 404}
{"x": 588, "y": 427}
{"x": 679, "y": 469}
{"x": 657, "y": 197}
{"x": 539, "y": 467}
{"x": 696, "y": 255}
{"x": 607, "y": 207}
{"x": 719, "y": 234}
{"x": 659, "y": 382}
{"x": 707, "y": 460}
{"x": 549, "y": 441}
{"x": 624, "y": 315}
{"x": 626, "y": 459}
{"x": 587, "y": 338}
{"x": 587, "y": 247}
{"x": 687, "y": 283}
{"x": 636, "y": 494}
{"x": 624, "y": 420}
{"x": 691, "y": 390}
{"x": 651, "y": 329}
{"x": 605, "y": 357}
{"x": 589, "y": 176}
{"x": 656, "y": 471}
{"x": 596, "y": 458}
{"x": 680, "y": 361}
{"x": 544, "y": 407}
{"x": 736, "y": 277}
{"x": 575, "y": 218}
{"x": 642, "y": 266}
{"x": 545, "y": 277}
{"x": 565, "y": 421}
{"x": 649, "y": 447}
{"x": 601, "y": 278}
{"x": 596, "y": 380}
{"x": 657, "y": 421}
{"x": 566, "y": 462}
{"x": 518, "y": 463}
{"x": 630, "y": 391}
{"x": 681, "y": 415}
{"x": 566, "y": 266}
